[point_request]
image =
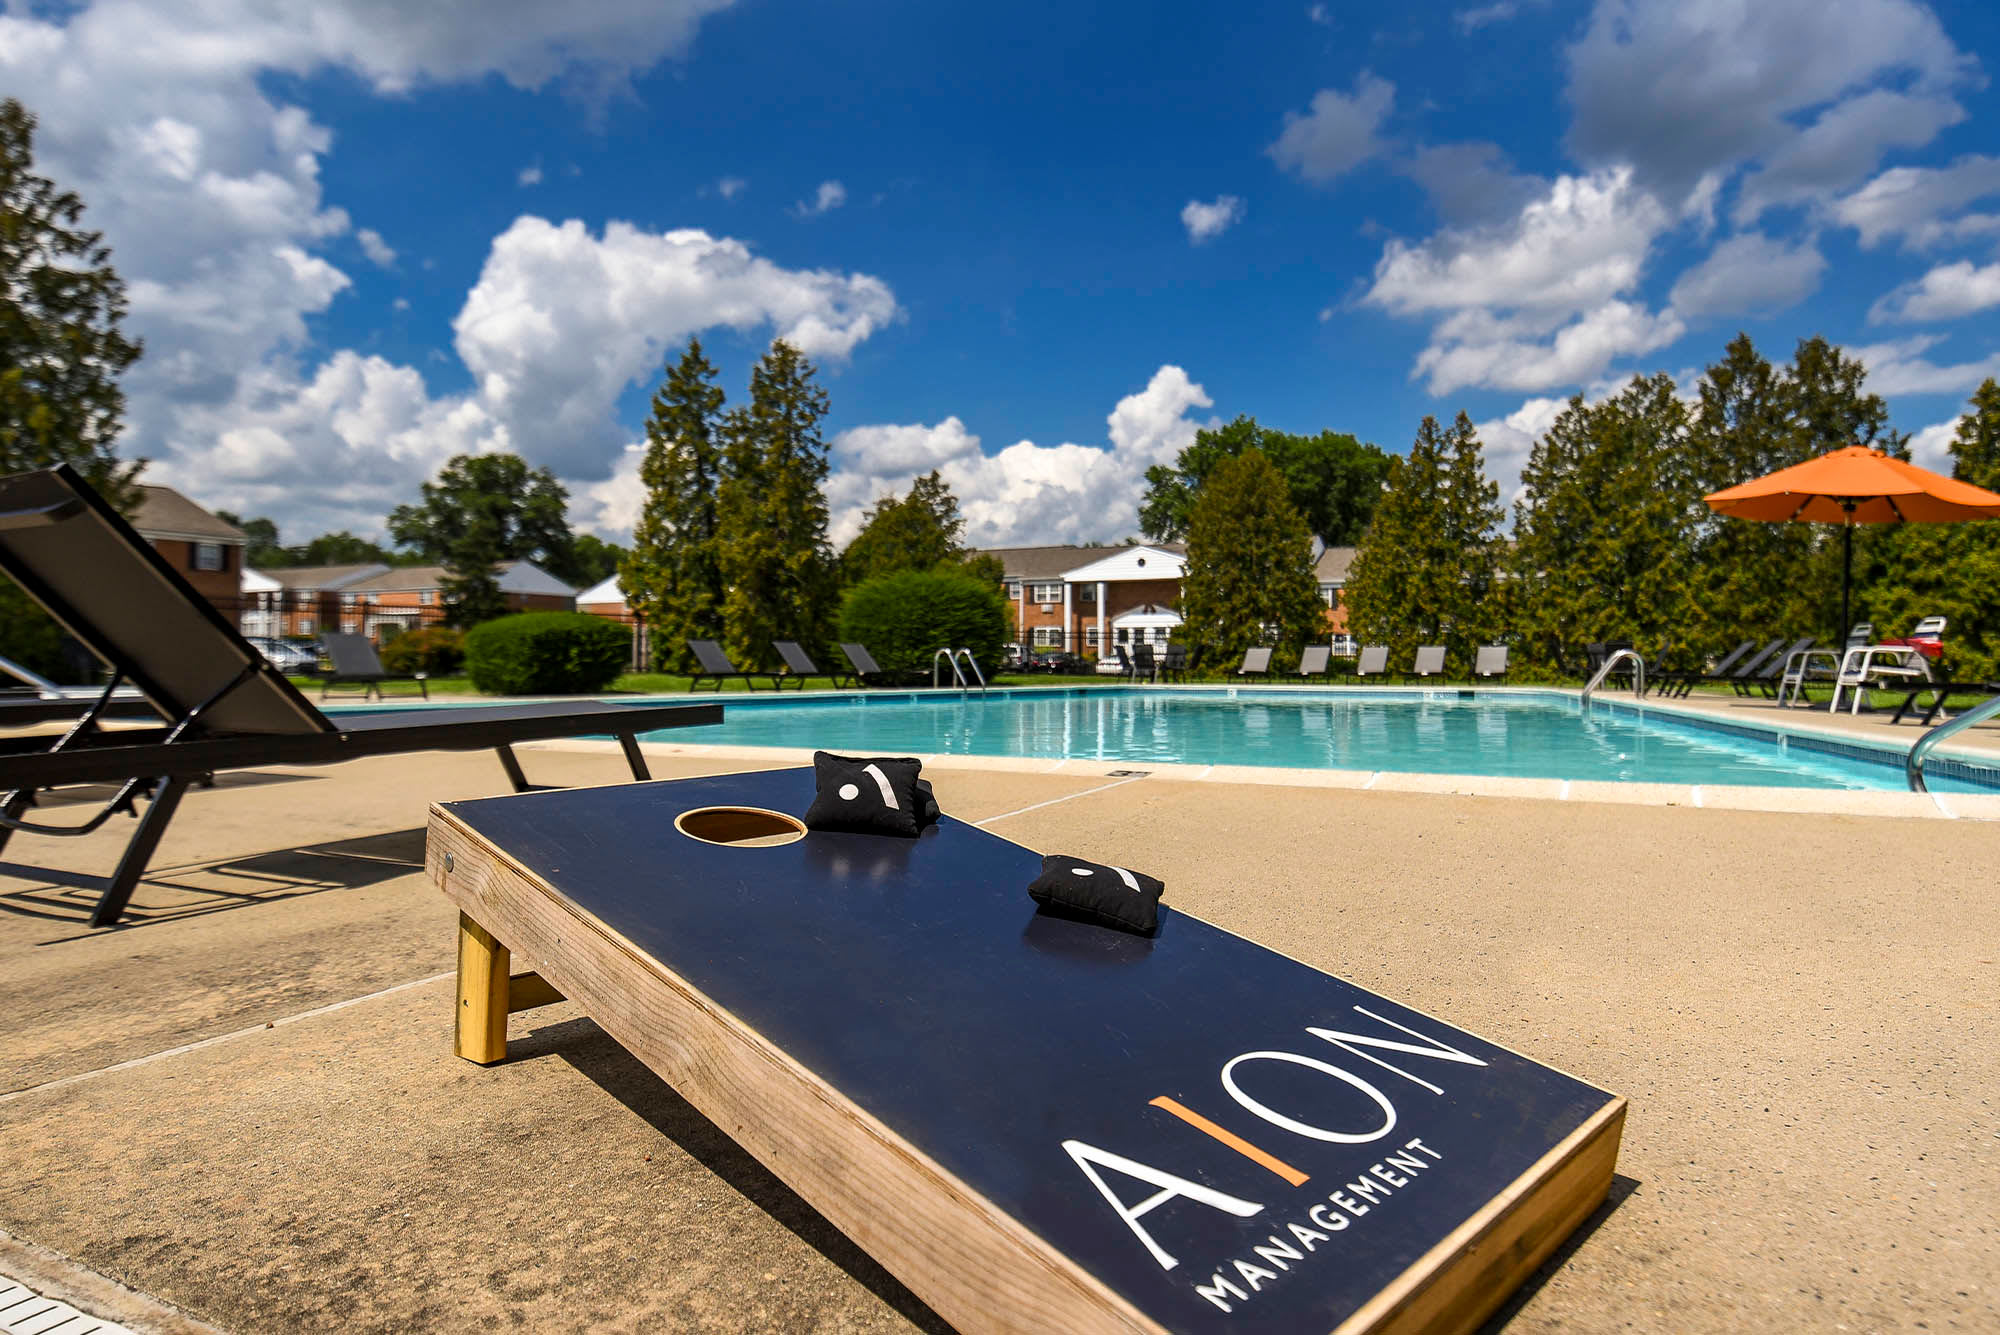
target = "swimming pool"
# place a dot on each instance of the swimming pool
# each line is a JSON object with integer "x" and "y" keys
{"x": 1527, "y": 734}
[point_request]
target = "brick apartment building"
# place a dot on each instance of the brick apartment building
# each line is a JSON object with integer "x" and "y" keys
{"x": 1085, "y": 598}
{"x": 205, "y": 549}
{"x": 376, "y": 600}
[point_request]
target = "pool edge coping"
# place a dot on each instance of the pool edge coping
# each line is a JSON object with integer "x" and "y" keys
{"x": 1719, "y": 797}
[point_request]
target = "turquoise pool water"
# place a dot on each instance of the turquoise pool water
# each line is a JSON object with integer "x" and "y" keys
{"x": 1522, "y": 734}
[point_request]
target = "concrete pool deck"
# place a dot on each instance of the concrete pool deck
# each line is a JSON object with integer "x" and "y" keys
{"x": 244, "y": 1103}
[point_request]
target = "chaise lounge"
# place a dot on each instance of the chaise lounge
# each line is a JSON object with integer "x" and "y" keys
{"x": 222, "y": 704}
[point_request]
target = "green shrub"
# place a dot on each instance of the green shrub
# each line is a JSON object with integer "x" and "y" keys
{"x": 907, "y": 617}
{"x": 546, "y": 653}
{"x": 436, "y": 651}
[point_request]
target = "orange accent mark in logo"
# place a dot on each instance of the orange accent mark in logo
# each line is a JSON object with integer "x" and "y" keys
{"x": 1233, "y": 1141}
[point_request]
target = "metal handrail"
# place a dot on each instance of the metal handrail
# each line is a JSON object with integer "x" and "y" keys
{"x": 1638, "y": 674}
{"x": 973, "y": 663}
{"x": 951, "y": 656}
{"x": 1913, "y": 764}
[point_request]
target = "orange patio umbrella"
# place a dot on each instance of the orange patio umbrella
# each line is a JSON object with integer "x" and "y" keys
{"x": 1855, "y": 485}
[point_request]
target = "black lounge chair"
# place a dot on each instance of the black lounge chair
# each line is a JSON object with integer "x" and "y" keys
{"x": 716, "y": 667}
{"x": 1429, "y": 662}
{"x": 222, "y": 704}
{"x": 1491, "y": 661}
{"x": 1256, "y": 663}
{"x": 1144, "y": 664}
{"x": 355, "y": 663}
{"x": 1765, "y": 680}
{"x": 799, "y": 665}
{"x": 1680, "y": 682}
{"x": 1315, "y": 662}
{"x": 867, "y": 672}
{"x": 1373, "y": 661}
{"x": 1174, "y": 667}
{"x": 1726, "y": 676}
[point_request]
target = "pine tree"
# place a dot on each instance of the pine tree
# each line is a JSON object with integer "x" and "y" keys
{"x": 1602, "y": 529}
{"x": 920, "y": 531}
{"x": 1427, "y": 571}
{"x": 778, "y": 572}
{"x": 1249, "y": 564}
{"x": 672, "y": 576}
{"x": 60, "y": 307}
{"x": 1951, "y": 570}
{"x": 61, "y": 354}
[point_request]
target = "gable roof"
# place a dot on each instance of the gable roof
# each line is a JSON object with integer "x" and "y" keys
{"x": 514, "y": 577}
{"x": 1331, "y": 568}
{"x": 165, "y": 513}
{"x": 307, "y": 579}
{"x": 1052, "y": 563}
{"x": 1130, "y": 563}
{"x": 602, "y": 593}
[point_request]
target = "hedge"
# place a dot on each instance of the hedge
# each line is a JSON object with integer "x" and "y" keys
{"x": 905, "y": 618}
{"x": 436, "y": 651}
{"x": 546, "y": 653}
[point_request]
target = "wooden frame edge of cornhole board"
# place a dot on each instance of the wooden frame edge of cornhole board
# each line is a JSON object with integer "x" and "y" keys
{"x": 891, "y": 1028}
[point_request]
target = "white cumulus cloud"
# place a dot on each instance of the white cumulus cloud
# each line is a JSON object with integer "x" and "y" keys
{"x": 1750, "y": 274}
{"x": 563, "y": 319}
{"x": 1947, "y": 292}
{"x": 1337, "y": 132}
{"x": 1924, "y": 205}
{"x": 830, "y": 196}
{"x": 1024, "y": 494}
{"x": 375, "y": 248}
{"x": 1931, "y": 447}
{"x": 1205, "y": 221}
{"x": 1900, "y": 367}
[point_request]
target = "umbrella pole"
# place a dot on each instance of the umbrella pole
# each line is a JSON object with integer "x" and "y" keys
{"x": 1846, "y": 574}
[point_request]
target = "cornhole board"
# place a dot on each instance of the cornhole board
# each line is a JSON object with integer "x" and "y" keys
{"x": 1035, "y": 1123}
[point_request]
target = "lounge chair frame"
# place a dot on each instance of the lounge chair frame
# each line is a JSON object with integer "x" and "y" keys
{"x": 222, "y": 704}
{"x": 713, "y": 665}
{"x": 364, "y": 668}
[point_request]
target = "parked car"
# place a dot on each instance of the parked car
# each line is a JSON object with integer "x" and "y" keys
{"x": 1055, "y": 660}
{"x": 285, "y": 655}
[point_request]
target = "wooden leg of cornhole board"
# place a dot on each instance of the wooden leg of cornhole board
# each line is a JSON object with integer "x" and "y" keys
{"x": 483, "y": 994}
{"x": 488, "y": 994}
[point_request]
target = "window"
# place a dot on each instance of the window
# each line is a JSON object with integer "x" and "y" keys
{"x": 1046, "y": 593}
{"x": 1087, "y": 593}
{"x": 1122, "y": 634}
{"x": 1090, "y": 637}
{"x": 208, "y": 556}
{"x": 1013, "y": 589}
{"x": 427, "y": 597}
{"x": 1047, "y": 637}
{"x": 1330, "y": 594}
{"x": 303, "y": 626}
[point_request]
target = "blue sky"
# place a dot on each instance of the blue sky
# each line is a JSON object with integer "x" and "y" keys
{"x": 1036, "y": 245}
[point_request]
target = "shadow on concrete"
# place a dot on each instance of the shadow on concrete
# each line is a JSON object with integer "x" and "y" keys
{"x": 598, "y": 1057}
{"x": 192, "y": 890}
{"x": 1621, "y": 1187}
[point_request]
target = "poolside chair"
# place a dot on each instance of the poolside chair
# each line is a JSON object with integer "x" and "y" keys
{"x": 798, "y": 665}
{"x": 43, "y": 701}
{"x": 355, "y": 663}
{"x": 1724, "y": 675}
{"x": 1314, "y": 662}
{"x": 223, "y": 705}
{"x": 1124, "y": 661}
{"x": 1429, "y": 663}
{"x": 1175, "y": 665}
{"x": 1684, "y": 680}
{"x": 1373, "y": 661}
{"x": 1765, "y": 680}
{"x": 715, "y": 667}
{"x": 1491, "y": 661}
{"x": 866, "y": 671}
{"x": 1144, "y": 664}
{"x": 1256, "y": 662}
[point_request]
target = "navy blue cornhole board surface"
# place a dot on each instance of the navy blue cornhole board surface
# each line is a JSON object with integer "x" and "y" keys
{"x": 917, "y": 978}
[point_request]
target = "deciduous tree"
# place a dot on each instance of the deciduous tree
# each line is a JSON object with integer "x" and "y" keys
{"x": 919, "y": 531}
{"x": 484, "y": 509}
{"x": 1333, "y": 479}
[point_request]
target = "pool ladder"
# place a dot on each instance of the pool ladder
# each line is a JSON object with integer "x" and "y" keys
{"x": 1913, "y": 764}
{"x": 1638, "y": 674}
{"x": 951, "y": 657}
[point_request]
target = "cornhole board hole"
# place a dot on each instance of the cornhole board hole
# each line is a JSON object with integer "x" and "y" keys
{"x": 1035, "y": 1123}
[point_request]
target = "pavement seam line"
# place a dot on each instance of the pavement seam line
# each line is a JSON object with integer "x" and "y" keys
{"x": 214, "y": 1039}
{"x": 1052, "y": 801}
